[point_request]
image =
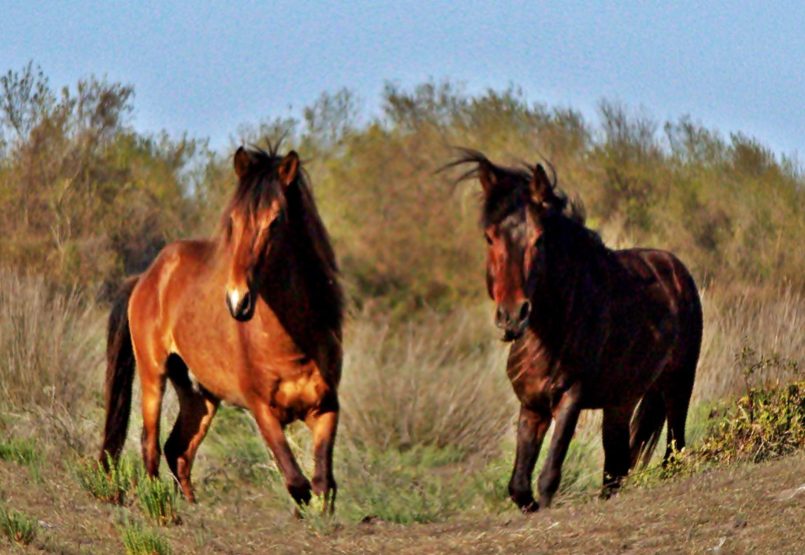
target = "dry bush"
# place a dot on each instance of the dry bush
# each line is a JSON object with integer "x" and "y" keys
{"x": 437, "y": 382}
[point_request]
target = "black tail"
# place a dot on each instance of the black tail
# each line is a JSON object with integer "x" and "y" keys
{"x": 119, "y": 375}
{"x": 646, "y": 427}
{"x": 669, "y": 397}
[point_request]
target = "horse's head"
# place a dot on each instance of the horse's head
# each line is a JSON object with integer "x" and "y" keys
{"x": 254, "y": 223}
{"x": 516, "y": 203}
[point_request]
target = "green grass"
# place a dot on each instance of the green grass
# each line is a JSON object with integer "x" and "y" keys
{"x": 158, "y": 500}
{"x": 112, "y": 486}
{"x": 23, "y": 452}
{"x": 139, "y": 540}
{"x": 18, "y": 527}
{"x": 20, "y": 451}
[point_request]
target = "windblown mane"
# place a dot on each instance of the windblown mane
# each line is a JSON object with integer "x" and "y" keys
{"x": 503, "y": 200}
{"x": 260, "y": 186}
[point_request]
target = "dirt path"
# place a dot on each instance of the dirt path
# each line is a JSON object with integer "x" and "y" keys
{"x": 743, "y": 509}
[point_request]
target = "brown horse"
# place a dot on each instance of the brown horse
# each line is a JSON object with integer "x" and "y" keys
{"x": 592, "y": 328}
{"x": 252, "y": 317}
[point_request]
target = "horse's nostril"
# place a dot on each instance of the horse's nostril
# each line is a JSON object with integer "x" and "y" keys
{"x": 525, "y": 311}
{"x": 245, "y": 304}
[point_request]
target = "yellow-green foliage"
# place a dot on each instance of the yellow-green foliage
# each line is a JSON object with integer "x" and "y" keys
{"x": 87, "y": 198}
{"x": 763, "y": 424}
{"x": 83, "y": 197}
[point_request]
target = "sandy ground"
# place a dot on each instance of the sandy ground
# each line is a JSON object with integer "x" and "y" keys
{"x": 741, "y": 509}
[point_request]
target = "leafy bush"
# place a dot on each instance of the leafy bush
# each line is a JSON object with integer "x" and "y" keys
{"x": 763, "y": 424}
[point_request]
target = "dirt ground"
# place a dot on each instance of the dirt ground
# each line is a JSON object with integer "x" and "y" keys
{"x": 741, "y": 509}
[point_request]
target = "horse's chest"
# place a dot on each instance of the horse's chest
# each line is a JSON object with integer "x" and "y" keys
{"x": 293, "y": 391}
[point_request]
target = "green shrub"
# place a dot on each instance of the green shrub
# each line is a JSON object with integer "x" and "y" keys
{"x": 139, "y": 540}
{"x": 763, "y": 424}
{"x": 17, "y": 526}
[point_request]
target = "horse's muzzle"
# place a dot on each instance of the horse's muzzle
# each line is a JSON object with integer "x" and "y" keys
{"x": 513, "y": 320}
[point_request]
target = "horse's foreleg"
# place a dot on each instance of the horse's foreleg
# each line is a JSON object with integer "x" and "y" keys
{"x": 271, "y": 429}
{"x": 566, "y": 415}
{"x": 615, "y": 433}
{"x": 531, "y": 428}
{"x": 323, "y": 426}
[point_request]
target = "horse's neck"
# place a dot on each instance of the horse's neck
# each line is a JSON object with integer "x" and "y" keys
{"x": 569, "y": 291}
{"x": 292, "y": 291}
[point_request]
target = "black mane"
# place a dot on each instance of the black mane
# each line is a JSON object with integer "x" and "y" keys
{"x": 513, "y": 192}
{"x": 311, "y": 242}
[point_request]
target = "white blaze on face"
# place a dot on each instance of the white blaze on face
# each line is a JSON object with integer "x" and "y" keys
{"x": 234, "y": 299}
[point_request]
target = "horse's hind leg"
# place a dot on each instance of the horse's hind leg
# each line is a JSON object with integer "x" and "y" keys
{"x": 196, "y": 411}
{"x": 616, "y": 447}
{"x": 677, "y": 400}
{"x": 152, "y": 380}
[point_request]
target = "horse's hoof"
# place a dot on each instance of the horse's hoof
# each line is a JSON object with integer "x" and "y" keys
{"x": 529, "y": 508}
{"x": 300, "y": 492}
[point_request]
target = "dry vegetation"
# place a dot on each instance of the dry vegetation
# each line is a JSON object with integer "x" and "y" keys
{"x": 427, "y": 430}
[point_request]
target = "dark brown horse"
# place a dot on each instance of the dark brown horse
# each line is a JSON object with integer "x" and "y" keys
{"x": 251, "y": 317}
{"x": 592, "y": 328}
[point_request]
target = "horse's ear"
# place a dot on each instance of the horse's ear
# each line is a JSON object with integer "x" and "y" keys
{"x": 288, "y": 168}
{"x": 487, "y": 176}
{"x": 242, "y": 162}
{"x": 540, "y": 186}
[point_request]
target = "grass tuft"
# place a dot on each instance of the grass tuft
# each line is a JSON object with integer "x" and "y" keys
{"x": 158, "y": 500}
{"x": 21, "y": 451}
{"x": 18, "y": 527}
{"x": 139, "y": 540}
{"x": 110, "y": 486}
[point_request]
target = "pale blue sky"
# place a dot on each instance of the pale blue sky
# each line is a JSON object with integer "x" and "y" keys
{"x": 208, "y": 67}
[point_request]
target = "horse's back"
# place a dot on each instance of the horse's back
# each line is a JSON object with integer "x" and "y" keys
{"x": 654, "y": 316}
{"x": 158, "y": 288}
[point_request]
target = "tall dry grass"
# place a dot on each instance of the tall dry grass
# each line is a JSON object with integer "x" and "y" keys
{"x": 770, "y": 323}
{"x": 51, "y": 347}
{"x": 439, "y": 381}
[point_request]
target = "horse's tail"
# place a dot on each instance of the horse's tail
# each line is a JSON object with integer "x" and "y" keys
{"x": 119, "y": 375}
{"x": 646, "y": 427}
{"x": 669, "y": 397}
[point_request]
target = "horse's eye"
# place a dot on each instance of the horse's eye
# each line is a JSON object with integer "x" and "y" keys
{"x": 229, "y": 227}
{"x": 488, "y": 239}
